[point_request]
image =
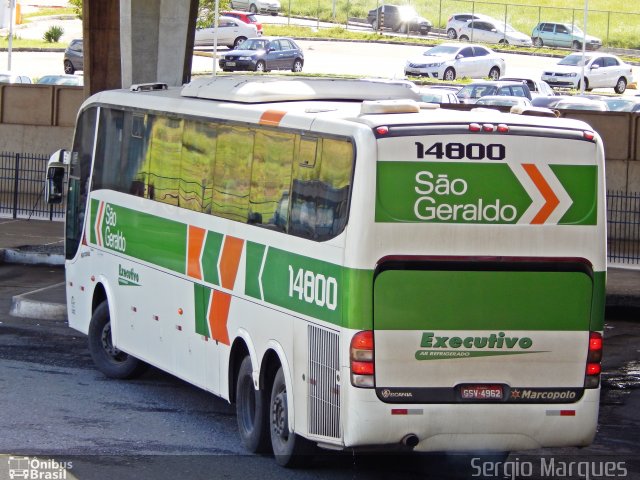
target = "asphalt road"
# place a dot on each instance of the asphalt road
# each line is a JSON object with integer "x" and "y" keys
{"x": 56, "y": 406}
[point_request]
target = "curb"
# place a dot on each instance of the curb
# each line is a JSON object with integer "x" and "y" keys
{"x": 27, "y": 308}
{"x": 30, "y": 258}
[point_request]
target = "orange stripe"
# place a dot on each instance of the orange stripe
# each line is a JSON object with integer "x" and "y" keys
{"x": 218, "y": 315}
{"x": 98, "y": 224}
{"x": 230, "y": 260}
{"x": 194, "y": 249}
{"x": 550, "y": 197}
{"x": 272, "y": 117}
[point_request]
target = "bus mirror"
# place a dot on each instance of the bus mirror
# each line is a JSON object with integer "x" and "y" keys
{"x": 54, "y": 182}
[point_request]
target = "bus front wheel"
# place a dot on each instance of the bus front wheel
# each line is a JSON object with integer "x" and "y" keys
{"x": 108, "y": 358}
{"x": 289, "y": 449}
{"x": 251, "y": 411}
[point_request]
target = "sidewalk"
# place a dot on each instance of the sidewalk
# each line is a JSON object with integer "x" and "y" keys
{"x": 41, "y": 242}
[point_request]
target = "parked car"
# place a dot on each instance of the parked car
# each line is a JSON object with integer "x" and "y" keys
{"x": 10, "y": 77}
{"x": 491, "y": 31}
{"x": 256, "y": 6}
{"x": 438, "y": 95}
{"x": 552, "y": 34}
{"x": 472, "y": 92}
{"x": 77, "y": 80}
{"x": 601, "y": 70}
{"x": 263, "y": 54}
{"x": 231, "y": 32}
{"x": 502, "y": 101}
{"x": 246, "y": 17}
{"x": 547, "y": 101}
{"x": 73, "y": 59}
{"x": 449, "y": 61}
{"x": 458, "y": 20}
{"x": 537, "y": 87}
{"x": 399, "y": 18}
{"x": 581, "y": 103}
{"x": 622, "y": 104}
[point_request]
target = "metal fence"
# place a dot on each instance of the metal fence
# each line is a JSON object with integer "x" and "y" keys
{"x": 623, "y": 227}
{"x": 22, "y": 187}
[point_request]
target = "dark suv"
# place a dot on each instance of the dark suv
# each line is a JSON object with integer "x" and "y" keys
{"x": 73, "y": 57}
{"x": 399, "y": 19}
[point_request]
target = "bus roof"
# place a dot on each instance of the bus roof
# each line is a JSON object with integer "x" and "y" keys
{"x": 300, "y": 101}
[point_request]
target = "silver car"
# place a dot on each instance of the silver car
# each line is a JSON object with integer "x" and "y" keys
{"x": 449, "y": 61}
{"x": 231, "y": 32}
{"x": 256, "y": 6}
{"x": 458, "y": 20}
{"x": 488, "y": 31}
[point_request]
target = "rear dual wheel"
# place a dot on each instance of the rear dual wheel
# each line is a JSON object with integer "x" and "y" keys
{"x": 263, "y": 419}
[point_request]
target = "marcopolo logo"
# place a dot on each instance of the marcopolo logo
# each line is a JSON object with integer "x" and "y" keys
{"x": 442, "y": 347}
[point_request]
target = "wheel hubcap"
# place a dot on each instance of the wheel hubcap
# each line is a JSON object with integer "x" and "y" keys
{"x": 107, "y": 345}
{"x": 279, "y": 420}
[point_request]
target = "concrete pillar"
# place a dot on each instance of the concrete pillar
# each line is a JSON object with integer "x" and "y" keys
{"x": 101, "y": 33}
{"x": 156, "y": 40}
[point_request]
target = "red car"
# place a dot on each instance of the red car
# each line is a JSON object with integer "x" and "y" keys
{"x": 246, "y": 17}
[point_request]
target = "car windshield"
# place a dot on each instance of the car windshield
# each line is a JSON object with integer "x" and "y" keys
{"x": 431, "y": 97}
{"x": 253, "y": 44}
{"x": 573, "y": 60}
{"x": 442, "y": 50}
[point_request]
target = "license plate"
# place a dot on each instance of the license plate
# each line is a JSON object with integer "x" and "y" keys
{"x": 231, "y": 64}
{"x": 481, "y": 392}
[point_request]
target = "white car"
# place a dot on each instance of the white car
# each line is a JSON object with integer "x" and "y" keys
{"x": 502, "y": 101}
{"x": 601, "y": 70}
{"x": 536, "y": 86}
{"x": 231, "y": 32}
{"x": 438, "y": 95}
{"x": 256, "y": 6}
{"x": 489, "y": 31}
{"x": 449, "y": 61}
{"x": 457, "y": 20}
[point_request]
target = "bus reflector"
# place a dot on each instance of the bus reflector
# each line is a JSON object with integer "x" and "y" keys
{"x": 474, "y": 127}
{"x": 399, "y": 411}
{"x": 502, "y": 128}
{"x": 594, "y": 357}
{"x": 567, "y": 413}
{"x": 588, "y": 135}
{"x": 382, "y": 130}
{"x": 488, "y": 127}
{"x": 362, "y": 360}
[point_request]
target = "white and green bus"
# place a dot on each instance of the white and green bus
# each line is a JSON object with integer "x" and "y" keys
{"x": 351, "y": 268}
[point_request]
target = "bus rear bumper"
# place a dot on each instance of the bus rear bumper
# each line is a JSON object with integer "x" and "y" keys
{"x": 474, "y": 427}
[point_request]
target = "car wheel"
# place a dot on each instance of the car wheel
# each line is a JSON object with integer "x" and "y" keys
{"x": 68, "y": 67}
{"x": 586, "y": 85}
{"x": 253, "y": 8}
{"x": 289, "y": 449}
{"x": 297, "y": 66}
{"x": 261, "y": 67}
{"x": 251, "y": 411}
{"x": 237, "y": 42}
{"x": 449, "y": 74}
{"x": 576, "y": 45}
{"x": 538, "y": 42}
{"x": 451, "y": 33}
{"x": 108, "y": 359}
{"x": 464, "y": 38}
{"x": 621, "y": 85}
{"x": 503, "y": 42}
{"x": 375, "y": 24}
{"x": 494, "y": 73}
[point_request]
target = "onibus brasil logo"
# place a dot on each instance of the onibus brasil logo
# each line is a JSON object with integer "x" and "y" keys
{"x": 438, "y": 347}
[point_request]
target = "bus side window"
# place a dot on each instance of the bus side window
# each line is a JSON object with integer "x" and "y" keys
{"x": 198, "y": 158}
{"x": 271, "y": 178}
{"x": 232, "y": 173}
{"x": 163, "y": 157}
{"x": 320, "y": 195}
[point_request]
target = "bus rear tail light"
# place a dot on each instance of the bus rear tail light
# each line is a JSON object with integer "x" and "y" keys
{"x": 594, "y": 359}
{"x": 361, "y": 356}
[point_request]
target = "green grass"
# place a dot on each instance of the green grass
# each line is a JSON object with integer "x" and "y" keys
{"x": 615, "y": 21}
{"x": 47, "y": 12}
{"x": 29, "y": 43}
